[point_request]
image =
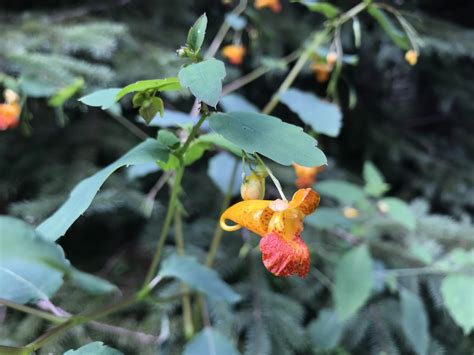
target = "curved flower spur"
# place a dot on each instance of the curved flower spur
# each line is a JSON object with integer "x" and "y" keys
{"x": 280, "y": 224}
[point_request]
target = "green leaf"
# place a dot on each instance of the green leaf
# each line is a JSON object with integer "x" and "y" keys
{"x": 82, "y": 195}
{"x": 398, "y": 37}
{"x": 197, "y": 33}
{"x": 325, "y": 332}
{"x": 150, "y": 107}
{"x": 31, "y": 268}
{"x": 167, "y": 84}
{"x": 458, "y": 296}
{"x": 103, "y": 98}
{"x": 95, "y": 348}
{"x": 196, "y": 151}
{"x": 353, "y": 282}
{"x": 375, "y": 184}
{"x": 324, "y": 117}
{"x": 414, "y": 321}
{"x": 168, "y": 138}
{"x": 66, "y": 93}
{"x": 92, "y": 284}
{"x": 221, "y": 142}
{"x": 282, "y": 142}
{"x": 322, "y": 7}
{"x": 204, "y": 79}
{"x": 399, "y": 211}
{"x": 344, "y": 192}
{"x": 210, "y": 341}
{"x": 198, "y": 276}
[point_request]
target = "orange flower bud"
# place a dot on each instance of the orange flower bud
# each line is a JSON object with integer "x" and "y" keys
{"x": 306, "y": 176}
{"x": 411, "y": 57}
{"x": 322, "y": 71}
{"x": 9, "y": 111}
{"x": 234, "y": 53}
{"x": 274, "y": 5}
{"x": 253, "y": 187}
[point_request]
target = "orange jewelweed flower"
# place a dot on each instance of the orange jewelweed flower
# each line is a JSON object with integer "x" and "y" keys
{"x": 9, "y": 111}
{"x": 322, "y": 71}
{"x": 411, "y": 56}
{"x": 280, "y": 224}
{"x": 272, "y": 4}
{"x": 234, "y": 53}
{"x": 306, "y": 176}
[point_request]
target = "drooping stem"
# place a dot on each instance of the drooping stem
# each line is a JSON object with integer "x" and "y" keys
{"x": 273, "y": 177}
{"x": 186, "y": 299}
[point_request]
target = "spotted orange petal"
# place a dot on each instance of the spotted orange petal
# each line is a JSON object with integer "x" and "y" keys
{"x": 254, "y": 215}
{"x": 285, "y": 258}
{"x": 305, "y": 200}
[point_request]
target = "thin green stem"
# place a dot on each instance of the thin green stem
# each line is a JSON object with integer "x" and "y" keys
{"x": 186, "y": 300}
{"x": 173, "y": 200}
{"x": 318, "y": 40}
{"x": 216, "y": 239}
{"x": 130, "y": 126}
{"x": 274, "y": 179}
{"x": 33, "y": 311}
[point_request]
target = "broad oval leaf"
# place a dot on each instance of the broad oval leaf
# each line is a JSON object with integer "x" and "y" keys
{"x": 210, "y": 341}
{"x": 325, "y": 332}
{"x": 327, "y": 218}
{"x": 258, "y": 133}
{"x": 95, "y": 348}
{"x": 324, "y": 117}
{"x": 414, "y": 321}
{"x": 104, "y": 99}
{"x": 167, "y": 84}
{"x": 353, "y": 282}
{"x": 375, "y": 184}
{"x": 458, "y": 296}
{"x": 343, "y": 191}
{"x": 31, "y": 268}
{"x": 204, "y": 79}
{"x": 198, "y": 276}
{"x": 399, "y": 211}
{"x": 197, "y": 33}
{"x": 82, "y": 195}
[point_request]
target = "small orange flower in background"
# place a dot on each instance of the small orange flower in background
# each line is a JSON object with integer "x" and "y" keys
{"x": 322, "y": 71}
{"x": 306, "y": 176}
{"x": 9, "y": 111}
{"x": 234, "y": 53}
{"x": 280, "y": 224}
{"x": 411, "y": 57}
{"x": 350, "y": 212}
{"x": 274, "y": 5}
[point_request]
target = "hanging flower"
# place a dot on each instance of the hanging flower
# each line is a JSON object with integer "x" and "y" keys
{"x": 306, "y": 176}
{"x": 411, "y": 56}
{"x": 234, "y": 53}
{"x": 9, "y": 111}
{"x": 274, "y": 5}
{"x": 280, "y": 224}
{"x": 322, "y": 71}
{"x": 253, "y": 187}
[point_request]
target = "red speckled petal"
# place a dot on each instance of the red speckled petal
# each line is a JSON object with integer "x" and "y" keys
{"x": 285, "y": 258}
